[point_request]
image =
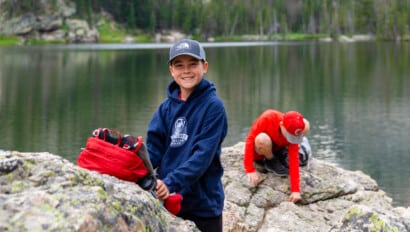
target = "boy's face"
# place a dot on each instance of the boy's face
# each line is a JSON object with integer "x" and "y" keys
{"x": 187, "y": 72}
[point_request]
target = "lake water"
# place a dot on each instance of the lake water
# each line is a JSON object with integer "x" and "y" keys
{"x": 356, "y": 96}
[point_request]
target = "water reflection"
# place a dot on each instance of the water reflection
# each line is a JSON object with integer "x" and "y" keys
{"x": 355, "y": 96}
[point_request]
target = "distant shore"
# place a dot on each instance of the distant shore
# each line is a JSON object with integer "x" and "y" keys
{"x": 172, "y": 37}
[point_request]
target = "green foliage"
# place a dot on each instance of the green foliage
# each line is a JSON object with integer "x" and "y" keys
{"x": 365, "y": 19}
{"x": 85, "y": 10}
{"x": 132, "y": 22}
{"x": 111, "y": 33}
{"x": 42, "y": 42}
{"x": 278, "y": 36}
{"x": 227, "y": 18}
{"x": 7, "y": 40}
{"x": 81, "y": 9}
{"x": 16, "y": 8}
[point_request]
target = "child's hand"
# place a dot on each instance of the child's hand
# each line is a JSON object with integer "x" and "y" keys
{"x": 295, "y": 196}
{"x": 253, "y": 177}
{"x": 162, "y": 190}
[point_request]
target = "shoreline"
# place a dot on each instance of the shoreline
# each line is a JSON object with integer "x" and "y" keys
{"x": 130, "y": 40}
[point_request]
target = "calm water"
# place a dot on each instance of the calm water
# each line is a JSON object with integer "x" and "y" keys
{"x": 356, "y": 96}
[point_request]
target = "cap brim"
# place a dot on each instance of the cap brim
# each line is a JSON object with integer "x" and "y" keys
{"x": 293, "y": 139}
{"x": 185, "y": 53}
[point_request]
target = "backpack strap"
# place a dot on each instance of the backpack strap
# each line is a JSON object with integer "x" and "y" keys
{"x": 107, "y": 134}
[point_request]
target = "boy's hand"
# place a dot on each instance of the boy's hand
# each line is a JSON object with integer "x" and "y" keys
{"x": 162, "y": 190}
{"x": 295, "y": 196}
{"x": 253, "y": 177}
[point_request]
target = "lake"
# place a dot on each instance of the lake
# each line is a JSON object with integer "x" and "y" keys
{"x": 355, "y": 95}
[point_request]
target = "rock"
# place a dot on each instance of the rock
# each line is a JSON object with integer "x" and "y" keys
{"x": 57, "y": 35}
{"x": 363, "y": 218}
{"x": 21, "y": 25}
{"x": 65, "y": 8}
{"x": 333, "y": 200}
{"x": 345, "y": 39}
{"x": 170, "y": 36}
{"x": 45, "y": 192}
{"x": 42, "y": 191}
{"x": 47, "y": 23}
{"x": 80, "y": 32}
{"x": 10, "y": 164}
{"x": 129, "y": 39}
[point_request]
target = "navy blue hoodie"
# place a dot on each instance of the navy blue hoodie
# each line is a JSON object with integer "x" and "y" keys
{"x": 184, "y": 142}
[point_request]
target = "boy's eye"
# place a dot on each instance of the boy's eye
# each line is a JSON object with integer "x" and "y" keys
{"x": 180, "y": 65}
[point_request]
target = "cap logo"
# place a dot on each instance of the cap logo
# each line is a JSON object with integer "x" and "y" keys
{"x": 298, "y": 132}
{"x": 182, "y": 46}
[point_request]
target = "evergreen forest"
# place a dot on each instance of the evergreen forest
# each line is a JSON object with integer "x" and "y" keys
{"x": 386, "y": 19}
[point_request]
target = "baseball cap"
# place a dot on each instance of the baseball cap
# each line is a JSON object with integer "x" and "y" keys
{"x": 294, "y": 125}
{"x": 187, "y": 47}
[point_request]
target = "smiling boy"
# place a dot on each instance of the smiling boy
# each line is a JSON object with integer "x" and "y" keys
{"x": 185, "y": 135}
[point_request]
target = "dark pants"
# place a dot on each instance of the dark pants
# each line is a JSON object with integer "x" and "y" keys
{"x": 213, "y": 224}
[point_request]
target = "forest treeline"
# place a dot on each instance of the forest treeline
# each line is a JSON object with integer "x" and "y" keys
{"x": 387, "y": 19}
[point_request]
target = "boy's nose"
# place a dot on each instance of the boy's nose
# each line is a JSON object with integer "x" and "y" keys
{"x": 186, "y": 69}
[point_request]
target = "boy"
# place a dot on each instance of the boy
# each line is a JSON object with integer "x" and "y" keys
{"x": 273, "y": 139}
{"x": 185, "y": 135}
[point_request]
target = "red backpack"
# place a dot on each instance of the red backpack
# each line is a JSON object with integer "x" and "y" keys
{"x": 108, "y": 152}
{"x": 125, "y": 157}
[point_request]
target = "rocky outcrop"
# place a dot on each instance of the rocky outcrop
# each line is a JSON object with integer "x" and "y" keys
{"x": 333, "y": 200}
{"x": 51, "y": 22}
{"x": 44, "y": 192}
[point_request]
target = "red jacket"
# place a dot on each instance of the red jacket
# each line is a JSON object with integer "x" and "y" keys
{"x": 269, "y": 123}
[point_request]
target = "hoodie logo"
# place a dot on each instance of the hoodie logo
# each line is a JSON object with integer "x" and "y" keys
{"x": 179, "y": 133}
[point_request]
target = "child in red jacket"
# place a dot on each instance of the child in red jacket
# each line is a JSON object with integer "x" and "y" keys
{"x": 277, "y": 141}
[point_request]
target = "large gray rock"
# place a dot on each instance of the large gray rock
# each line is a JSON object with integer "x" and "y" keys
{"x": 44, "y": 192}
{"x": 47, "y": 23}
{"x": 19, "y": 25}
{"x": 333, "y": 200}
{"x": 80, "y": 32}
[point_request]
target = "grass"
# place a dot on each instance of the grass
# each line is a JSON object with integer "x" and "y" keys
{"x": 276, "y": 37}
{"x": 42, "y": 42}
{"x": 114, "y": 33}
{"x": 9, "y": 40}
{"x": 298, "y": 36}
{"x": 110, "y": 33}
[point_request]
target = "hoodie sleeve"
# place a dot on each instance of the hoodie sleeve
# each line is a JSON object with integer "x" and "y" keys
{"x": 293, "y": 152}
{"x": 249, "y": 155}
{"x": 205, "y": 150}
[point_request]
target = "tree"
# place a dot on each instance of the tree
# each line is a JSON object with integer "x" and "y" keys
{"x": 365, "y": 16}
{"x": 131, "y": 16}
{"x": 238, "y": 17}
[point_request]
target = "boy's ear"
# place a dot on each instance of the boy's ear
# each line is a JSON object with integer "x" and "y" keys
{"x": 307, "y": 126}
{"x": 205, "y": 66}
{"x": 171, "y": 69}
